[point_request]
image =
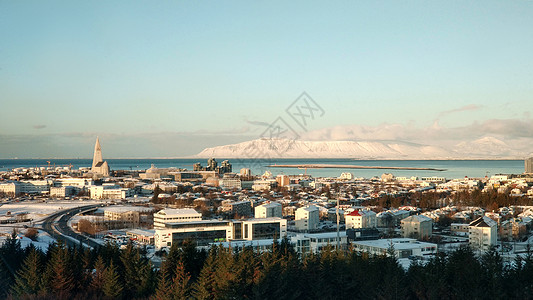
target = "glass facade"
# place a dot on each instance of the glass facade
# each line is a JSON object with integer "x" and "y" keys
{"x": 266, "y": 231}
{"x": 201, "y": 238}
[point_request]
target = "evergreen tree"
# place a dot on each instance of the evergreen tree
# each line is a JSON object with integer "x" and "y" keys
{"x": 246, "y": 271}
{"x": 11, "y": 256}
{"x": 112, "y": 287}
{"x": 97, "y": 276}
{"x": 204, "y": 286}
{"x": 180, "y": 284}
{"x": 27, "y": 281}
{"x": 60, "y": 278}
{"x": 164, "y": 286}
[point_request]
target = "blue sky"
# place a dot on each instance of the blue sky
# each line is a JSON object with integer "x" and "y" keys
{"x": 170, "y": 78}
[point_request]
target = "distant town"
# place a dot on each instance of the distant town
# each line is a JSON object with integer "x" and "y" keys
{"x": 213, "y": 205}
{"x": 175, "y": 229}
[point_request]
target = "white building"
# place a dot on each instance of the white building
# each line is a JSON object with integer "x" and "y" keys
{"x": 170, "y": 215}
{"x": 418, "y": 227}
{"x": 230, "y": 183}
{"x": 307, "y": 218}
{"x": 361, "y": 219}
{"x": 265, "y": 184}
{"x": 268, "y": 210}
{"x": 128, "y": 215}
{"x": 402, "y": 247}
{"x": 9, "y": 189}
{"x": 76, "y": 182}
{"x": 206, "y": 232}
{"x": 315, "y": 242}
{"x": 346, "y": 176}
{"x": 110, "y": 192}
{"x": 35, "y": 186}
{"x": 483, "y": 233}
{"x": 62, "y": 191}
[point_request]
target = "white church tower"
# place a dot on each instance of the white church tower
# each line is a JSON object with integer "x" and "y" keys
{"x": 100, "y": 167}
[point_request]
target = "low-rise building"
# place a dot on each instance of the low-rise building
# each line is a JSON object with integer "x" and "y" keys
{"x": 110, "y": 191}
{"x": 145, "y": 236}
{"x": 361, "y": 219}
{"x": 315, "y": 242}
{"x": 401, "y": 247}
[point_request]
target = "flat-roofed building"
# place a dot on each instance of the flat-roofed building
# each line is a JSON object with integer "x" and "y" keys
{"x": 241, "y": 208}
{"x": 35, "y": 186}
{"x": 129, "y": 216}
{"x": 205, "y": 232}
{"x": 315, "y": 242}
{"x": 267, "y": 210}
{"x": 402, "y": 247}
{"x": 230, "y": 183}
{"x": 110, "y": 192}
{"x": 77, "y": 182}
{"x": 9, "y": 189}
{"x": 260, "y": 229}
{"x": 528, "y": 165}
{"x": 145, "y": 236}
{"x": 62, "y": 191}
{"x": 171, "y": 215}
{"x": 265, "y": 184}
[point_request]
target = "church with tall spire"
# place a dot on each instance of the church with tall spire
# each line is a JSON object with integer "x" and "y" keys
{"x": 99, "y": 167}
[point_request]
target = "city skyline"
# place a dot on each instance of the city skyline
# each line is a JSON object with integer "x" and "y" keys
{"x": 171, "y": 79}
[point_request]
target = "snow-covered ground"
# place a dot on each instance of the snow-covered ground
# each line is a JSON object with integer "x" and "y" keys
{"x": 43, "y": 238}
{"x": 40, "y": 210}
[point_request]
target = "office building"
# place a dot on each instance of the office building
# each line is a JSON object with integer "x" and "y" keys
{"x": 170, "y": 215}
{"x": 528, "y": 165}
{"x": 205, "y": 232}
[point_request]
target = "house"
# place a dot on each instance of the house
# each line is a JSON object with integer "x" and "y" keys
{"x": 361, "y": 219}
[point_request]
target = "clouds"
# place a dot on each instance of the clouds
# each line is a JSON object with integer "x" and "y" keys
{"x": 470, "y": 107}
{"x": 503, "y": 128}
{"x": 39, "y": 126}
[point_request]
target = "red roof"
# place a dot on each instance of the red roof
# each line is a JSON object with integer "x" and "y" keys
{"x": 355, "y": 213}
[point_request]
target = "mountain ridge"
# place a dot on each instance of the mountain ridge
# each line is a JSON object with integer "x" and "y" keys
{"x": 483, "y": 148}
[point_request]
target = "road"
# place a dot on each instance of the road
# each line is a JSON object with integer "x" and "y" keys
{"x": 57, "y": 226}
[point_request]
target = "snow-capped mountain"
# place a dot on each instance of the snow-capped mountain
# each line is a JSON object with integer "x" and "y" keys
{"x": 282, "y": 148}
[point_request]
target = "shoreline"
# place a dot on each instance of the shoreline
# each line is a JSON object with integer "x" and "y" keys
{"x": 330, "y": 166}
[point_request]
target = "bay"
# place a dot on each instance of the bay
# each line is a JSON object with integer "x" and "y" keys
{"x": 453, "y": 168}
